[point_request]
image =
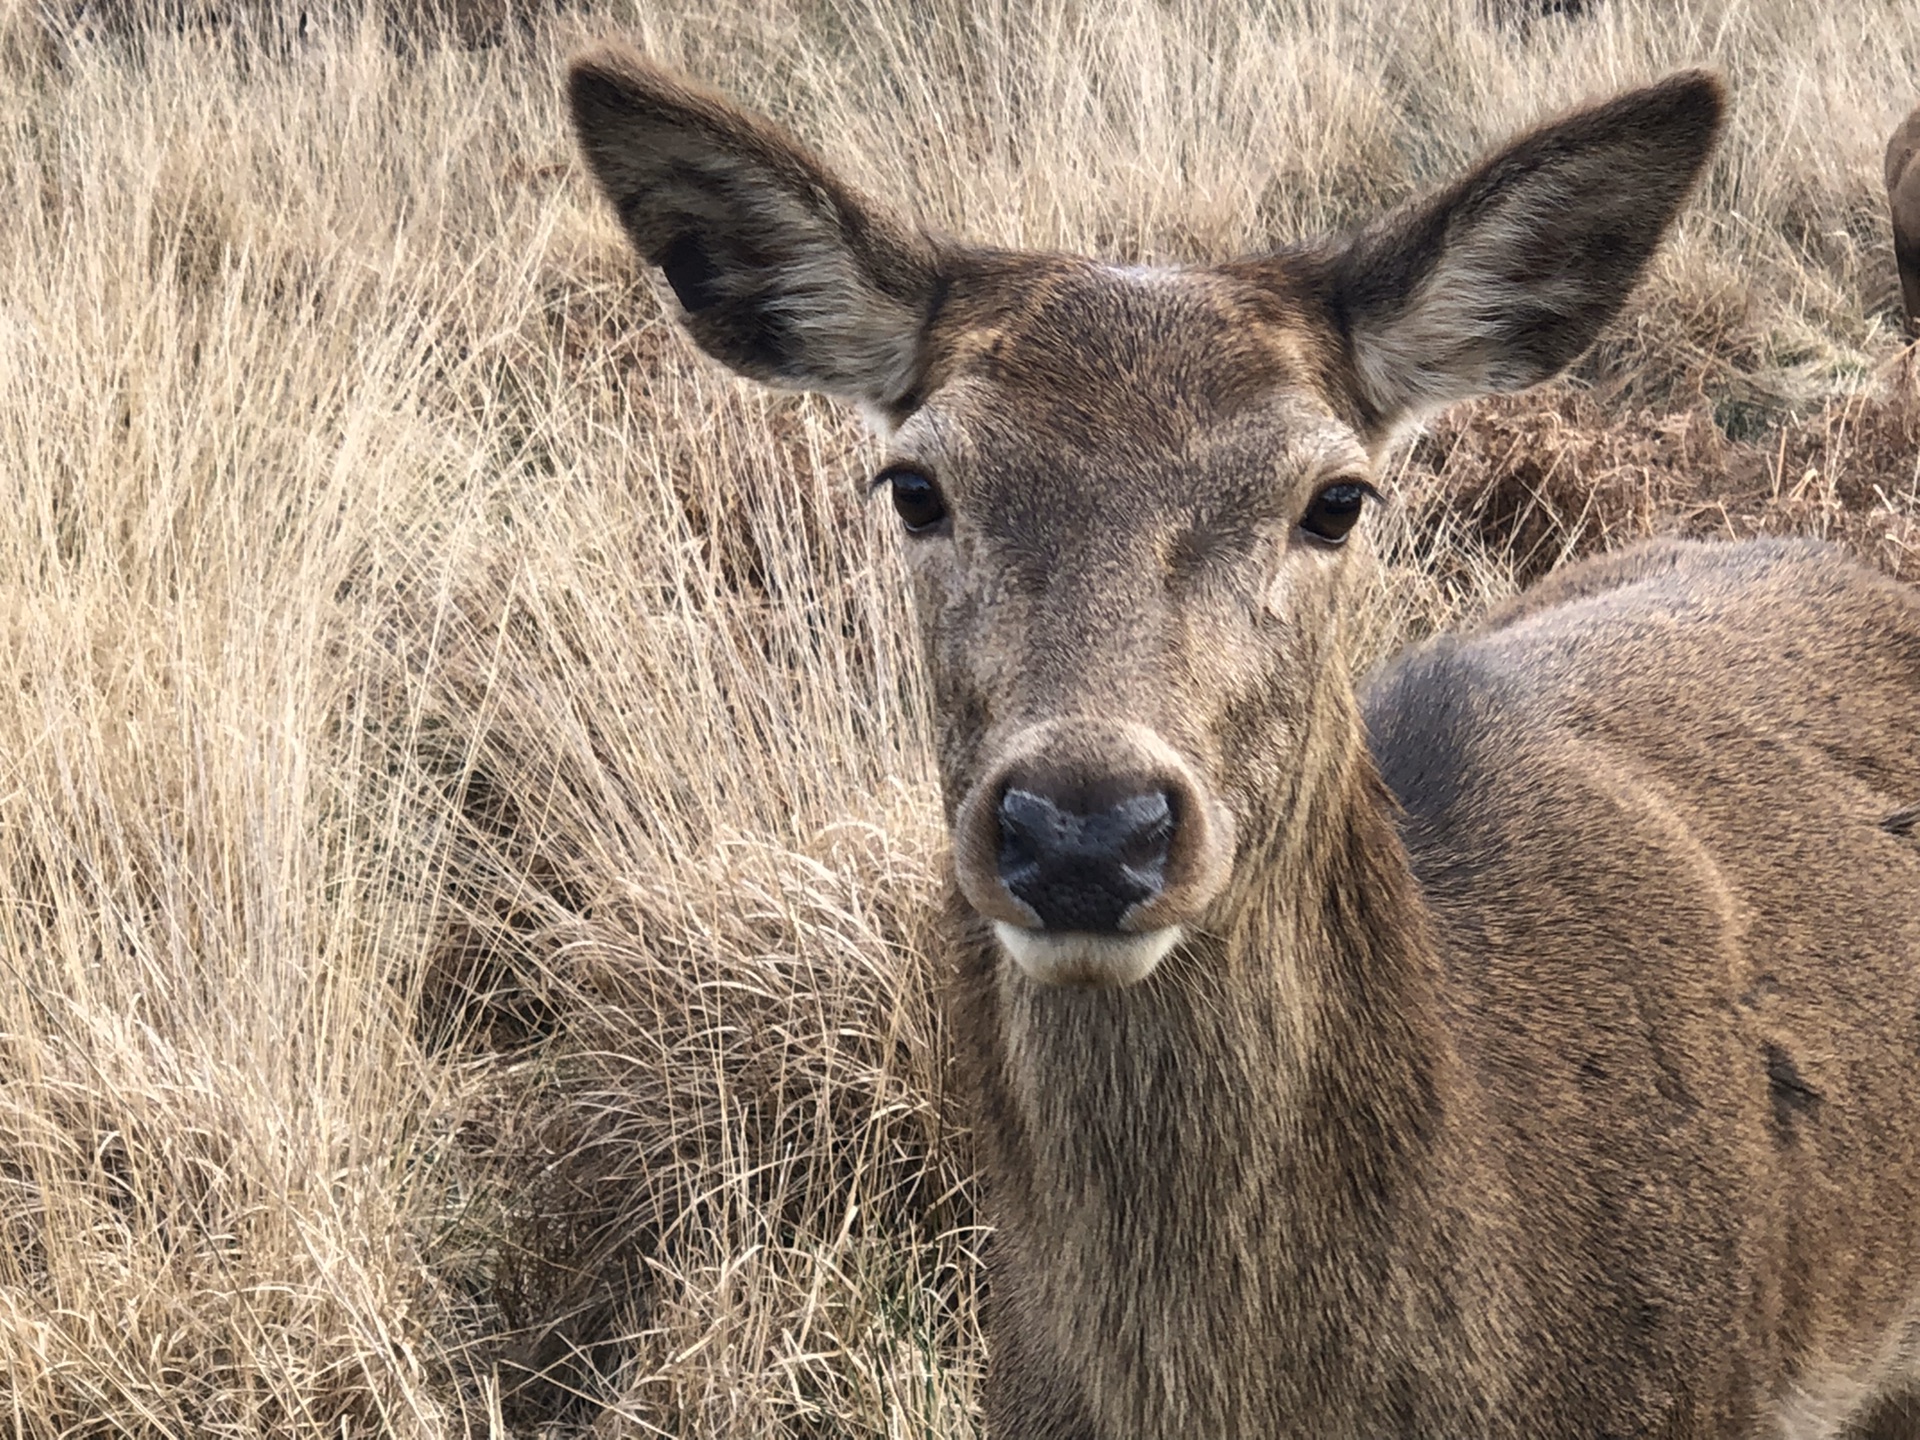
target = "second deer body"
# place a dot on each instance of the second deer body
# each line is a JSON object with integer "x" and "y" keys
{"x": 1524, "y": 1046}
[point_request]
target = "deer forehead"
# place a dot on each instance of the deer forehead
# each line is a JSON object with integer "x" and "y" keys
{"x": 1114, "y": 393}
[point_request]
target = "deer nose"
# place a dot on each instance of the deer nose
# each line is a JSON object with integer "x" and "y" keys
{"x": 1083, "y": 868}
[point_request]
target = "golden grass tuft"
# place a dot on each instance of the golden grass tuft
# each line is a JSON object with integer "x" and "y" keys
{"x": 466, "y": 832}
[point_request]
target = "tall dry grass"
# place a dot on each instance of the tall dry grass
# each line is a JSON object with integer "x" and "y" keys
{"x": 465, "y": 821}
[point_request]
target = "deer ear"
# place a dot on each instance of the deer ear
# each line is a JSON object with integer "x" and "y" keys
{"x": 784, "y": 272}
{"x": 1503, "y": 279}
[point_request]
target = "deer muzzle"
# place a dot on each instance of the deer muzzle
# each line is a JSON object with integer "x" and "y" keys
{"x": 1089, "y": 845}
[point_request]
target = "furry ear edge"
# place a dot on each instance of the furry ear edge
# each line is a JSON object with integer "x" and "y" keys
{"x": 782, "y": 271}
{"x": 1507, "y": 276}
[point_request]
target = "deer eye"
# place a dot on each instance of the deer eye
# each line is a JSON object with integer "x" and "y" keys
{"x": 1335, "y": 510}
{"x": 916, "y": 498}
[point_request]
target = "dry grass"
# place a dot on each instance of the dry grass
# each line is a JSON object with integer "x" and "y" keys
{"x": 466, "y": 825}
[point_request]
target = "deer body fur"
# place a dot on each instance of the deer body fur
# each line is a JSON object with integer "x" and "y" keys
{"x": 1523, "y": 1045}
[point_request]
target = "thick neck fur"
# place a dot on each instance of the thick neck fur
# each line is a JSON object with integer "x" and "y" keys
{"x": 1246, "y": 1144}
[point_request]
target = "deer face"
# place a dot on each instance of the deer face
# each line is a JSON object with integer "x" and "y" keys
{"x": 1133, "y": 500}
{"x": 1128, "y": 508}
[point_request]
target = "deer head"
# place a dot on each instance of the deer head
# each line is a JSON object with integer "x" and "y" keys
{"x": 1134, "y": 500}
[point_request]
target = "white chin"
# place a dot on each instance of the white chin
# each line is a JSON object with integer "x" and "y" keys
{"x": 1072, "y": 958}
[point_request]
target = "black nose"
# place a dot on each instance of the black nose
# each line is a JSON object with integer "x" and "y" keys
{"x": 1082, "y": 871}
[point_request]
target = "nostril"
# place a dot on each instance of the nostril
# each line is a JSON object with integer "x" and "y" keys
{"x": 1084, "y": 871}
{"x": 1031, "y": 828}
{"x": 1143, "y": 833}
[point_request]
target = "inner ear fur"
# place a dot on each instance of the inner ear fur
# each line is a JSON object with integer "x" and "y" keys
{"x": 1503, "y": 279}
{"x": 784, "y": 272}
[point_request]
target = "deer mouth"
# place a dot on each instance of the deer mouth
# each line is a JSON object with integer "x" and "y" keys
{"x": 1076, "y": 958}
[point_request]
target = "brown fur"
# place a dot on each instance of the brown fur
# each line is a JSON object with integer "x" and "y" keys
{"x": 1540, "y": 1051}
{"x": 1903, "y": 199}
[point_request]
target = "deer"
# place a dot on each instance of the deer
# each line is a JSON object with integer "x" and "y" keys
{"x": 1903, "y": 200}
{"x": 1518, "y": 1041}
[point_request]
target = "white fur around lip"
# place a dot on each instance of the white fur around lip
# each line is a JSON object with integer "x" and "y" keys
{"x": 1075, "y": 958}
